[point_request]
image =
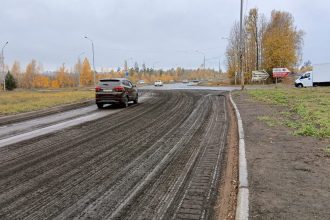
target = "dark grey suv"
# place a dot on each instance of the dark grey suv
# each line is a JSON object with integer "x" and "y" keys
{"x": 117, "y": 91}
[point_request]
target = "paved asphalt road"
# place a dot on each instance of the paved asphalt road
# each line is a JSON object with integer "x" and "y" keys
{"x": 159, "y": 159}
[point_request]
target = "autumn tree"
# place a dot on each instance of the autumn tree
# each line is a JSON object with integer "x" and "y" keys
{"x": 282, "y": 42}
{"x": 16, "y": 72}
{"x": 64, "y": 78}
{"x": 41, "y": 81}
{"x": 77, "y": 69}
{"x": 86, "y": 75}
{"x": 252, "y": 41}
{"x": 136, "y": 67}
{"x": 144, "y": 67}
{"x": 233, "y": 51}
{"x": 265, "y": 45}
{"x": 29, "y": 75}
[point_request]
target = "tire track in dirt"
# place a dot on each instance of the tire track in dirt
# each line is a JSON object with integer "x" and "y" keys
{"x": 46, "y": 176}
{"x": 140, "y": 163}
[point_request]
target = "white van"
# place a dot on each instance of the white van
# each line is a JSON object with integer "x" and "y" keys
{"x": 320, "y": 76}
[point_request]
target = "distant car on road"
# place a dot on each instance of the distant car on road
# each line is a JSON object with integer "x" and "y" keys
{"x": 158, "y": 83}
{"x": 141, "y": 82}
{"x": 117, "y": 91}
{"x": 185, "y": 81}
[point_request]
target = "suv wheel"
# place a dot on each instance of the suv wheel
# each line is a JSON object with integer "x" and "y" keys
{"x": 99, "y": 105}
{"x": 136, "y": 99}
{"x": 125, "y": 102}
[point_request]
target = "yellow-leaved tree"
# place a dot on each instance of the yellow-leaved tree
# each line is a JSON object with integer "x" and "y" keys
{"x": 282, "y": 42}
{"x": 265, "y": 44}
{"x": 30, "y": 74}
{"x": 63, "y": 77}
{"x": 41, "y": 81}
{"x": 16, "y": 71}
{"x": 86, "y": 75}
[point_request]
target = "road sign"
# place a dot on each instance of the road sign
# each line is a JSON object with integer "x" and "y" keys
{"x": 126, "y": 74}
{"x": 280, "y": 72}
{"x": 259, "y": 76}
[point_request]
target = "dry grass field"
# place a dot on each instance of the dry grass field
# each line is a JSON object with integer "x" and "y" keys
{"x": 30, "y": 100}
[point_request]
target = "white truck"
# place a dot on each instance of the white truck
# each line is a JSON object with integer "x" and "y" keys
{"x": 320, "y": 76}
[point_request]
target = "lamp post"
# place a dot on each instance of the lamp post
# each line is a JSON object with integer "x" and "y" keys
{"x": 93, "y": 58}
{"x": 197, "y": 51}
{"x": 3, "y": 66}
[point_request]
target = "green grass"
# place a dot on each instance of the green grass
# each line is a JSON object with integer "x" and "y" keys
{"x": 28, "y": 100}
{"x": 308, "y": 109}
{"x": 270, "y": 121}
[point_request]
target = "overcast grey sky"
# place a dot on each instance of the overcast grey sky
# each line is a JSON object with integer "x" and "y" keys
{"x": 165, "y": 33}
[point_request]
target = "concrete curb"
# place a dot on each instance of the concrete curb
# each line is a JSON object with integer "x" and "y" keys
{"x": 242, "y": 208}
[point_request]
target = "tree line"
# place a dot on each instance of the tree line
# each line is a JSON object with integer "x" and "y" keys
{"x": 267, "y": 43}
{"x": 83, "y": 75}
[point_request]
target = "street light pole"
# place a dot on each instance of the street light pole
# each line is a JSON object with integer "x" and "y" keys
{"x": 3, "y": 66}
{"x": 241, "y": 46}
{"x": 93, "y": 58}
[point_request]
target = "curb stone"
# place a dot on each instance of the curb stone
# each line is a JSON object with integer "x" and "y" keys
{"x": 242, "y": 208}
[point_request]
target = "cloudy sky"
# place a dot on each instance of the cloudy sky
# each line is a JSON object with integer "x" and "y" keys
{"x": 161, "y": 33}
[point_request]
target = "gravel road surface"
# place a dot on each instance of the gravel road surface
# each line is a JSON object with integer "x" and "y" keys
{"x": 160, "y": 159}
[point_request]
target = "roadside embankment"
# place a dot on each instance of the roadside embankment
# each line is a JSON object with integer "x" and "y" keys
{"x": 287, "y": 137}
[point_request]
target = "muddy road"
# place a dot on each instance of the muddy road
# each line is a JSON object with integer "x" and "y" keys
{"x": 160, "y": 159}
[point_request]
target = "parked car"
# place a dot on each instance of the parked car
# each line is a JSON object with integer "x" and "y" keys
{"x": 158, "y": 83}
{"x": 117, "y": 91}
{"x": 185, "y": 81}
{"x": 141, "y": 81}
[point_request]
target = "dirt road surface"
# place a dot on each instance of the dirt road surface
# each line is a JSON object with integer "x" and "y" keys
{"x": 160, "y": 159}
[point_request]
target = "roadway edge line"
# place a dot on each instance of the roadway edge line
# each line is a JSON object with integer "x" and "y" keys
{"x": 242, "y": 206}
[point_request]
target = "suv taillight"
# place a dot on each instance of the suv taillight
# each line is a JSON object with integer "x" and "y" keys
{"x": 98, "y": 89}
{"x": 119, "y": 89}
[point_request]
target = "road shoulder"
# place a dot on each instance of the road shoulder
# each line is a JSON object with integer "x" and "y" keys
{"x": 288, "y": 175}
{"x": 227, "y": 195}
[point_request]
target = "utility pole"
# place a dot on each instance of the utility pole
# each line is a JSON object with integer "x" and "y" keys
{"x": 3, "y": 67}
{"x": 241, "y": 46}
{"x": 93, "y": 58}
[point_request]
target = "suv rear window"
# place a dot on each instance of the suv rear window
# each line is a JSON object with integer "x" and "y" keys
{"x": 109, "y": 83}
